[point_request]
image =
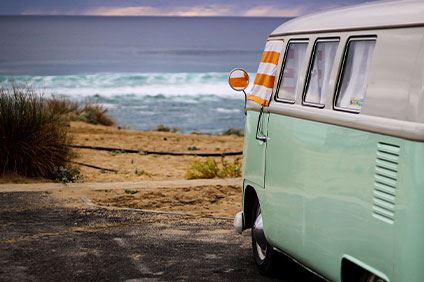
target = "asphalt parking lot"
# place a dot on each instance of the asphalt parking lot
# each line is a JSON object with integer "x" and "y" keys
{"x": 41, "y": 240}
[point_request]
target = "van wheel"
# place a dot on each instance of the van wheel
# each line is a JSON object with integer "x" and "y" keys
{"x": 263, "y": 253}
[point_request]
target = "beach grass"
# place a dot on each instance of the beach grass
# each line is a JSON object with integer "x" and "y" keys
{"x": 34, "y": 136}
{"x": 88, "y": 111}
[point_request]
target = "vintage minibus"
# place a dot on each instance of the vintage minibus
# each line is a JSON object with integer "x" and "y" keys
{"x": 334, "y": 144}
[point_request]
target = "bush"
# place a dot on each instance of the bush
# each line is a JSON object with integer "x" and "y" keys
{"x": 95, "y": 114}
{"x": 88, "y": 112}
{"x": 234, "y": 131}
{"x": 164, "y": 128}
{"x": 63, "y": 106}
{"x": 34, "y": 138}
{"x": 67, "y": 174}
{"x": 210, "y": 168}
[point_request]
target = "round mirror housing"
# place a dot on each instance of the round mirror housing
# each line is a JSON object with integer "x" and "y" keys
{"x": 238, "y": 79}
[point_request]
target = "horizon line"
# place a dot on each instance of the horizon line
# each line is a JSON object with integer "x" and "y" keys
{"x": 144, "y": 16}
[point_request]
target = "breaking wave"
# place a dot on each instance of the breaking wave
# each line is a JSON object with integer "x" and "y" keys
{"x": 133, "y": 84}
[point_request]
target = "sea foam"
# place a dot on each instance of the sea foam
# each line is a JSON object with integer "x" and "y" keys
{"x": 130, "y": 84}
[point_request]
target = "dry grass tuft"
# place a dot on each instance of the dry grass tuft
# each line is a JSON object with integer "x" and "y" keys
{"x": 34, "y": 136}
{"x": 210, "y": 168}
{"x": 95, "y": 114}
{"x": 164, "y": 128}
{"x": 87, "y": 112}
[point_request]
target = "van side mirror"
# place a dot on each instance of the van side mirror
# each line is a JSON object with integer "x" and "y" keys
{"x": 239, "y": 80}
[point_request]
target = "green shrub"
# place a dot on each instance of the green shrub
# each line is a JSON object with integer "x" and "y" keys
{"x": 131, "y": 192}
{"x": 34, "y": 138}
{"x": 95, "y": 114}
{"x": 67, "y": 174}
{"x": 210, "y": 168}
{"x": 164, "y": 128}
{"x": 230, "y": 169}
{"x": 234, "y": 131}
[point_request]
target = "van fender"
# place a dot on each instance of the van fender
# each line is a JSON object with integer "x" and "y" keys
{"x": 251, "y": 192}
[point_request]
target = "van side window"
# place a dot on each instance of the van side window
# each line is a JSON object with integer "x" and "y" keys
{"x": 295, "y": 56}
{"x": 318, "y": 79}
{"x": 353, "y": 81}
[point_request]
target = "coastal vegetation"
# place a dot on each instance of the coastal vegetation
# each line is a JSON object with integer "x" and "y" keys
{"x": 210, "y": 168}
{"x": 165, "y": 128}
{"x": 234, "y": 131}
{"x": 34, "y": 137}
{"x": 34, "y": 132}
{"x": 88, "y": 111}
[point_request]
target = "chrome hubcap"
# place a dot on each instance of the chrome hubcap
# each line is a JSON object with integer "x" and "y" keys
{"x": 259, "y": 235}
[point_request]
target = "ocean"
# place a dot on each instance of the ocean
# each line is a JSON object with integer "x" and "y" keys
{"x": 146, "y": 70}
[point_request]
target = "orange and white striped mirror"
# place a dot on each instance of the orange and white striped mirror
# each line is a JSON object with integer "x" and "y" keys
{"x": 239, "y": 79}
{"x": 265, "y": 77}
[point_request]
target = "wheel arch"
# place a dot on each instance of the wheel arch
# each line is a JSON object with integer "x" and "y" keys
{"x": 250, "y": 196}
{"x": 353, "y": 269}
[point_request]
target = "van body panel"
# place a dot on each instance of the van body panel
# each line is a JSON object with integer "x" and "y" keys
{"x": 319, "y": 198}
{"x": 319, "y": 195}
{"x": 254, "y": 150}
{"x": 391, "y": 74}
{"x": 409, "y": 223}
{"x": 373, "y": 15}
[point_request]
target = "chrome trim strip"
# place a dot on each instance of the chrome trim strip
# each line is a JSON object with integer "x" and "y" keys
{"x": 397, "y": 128}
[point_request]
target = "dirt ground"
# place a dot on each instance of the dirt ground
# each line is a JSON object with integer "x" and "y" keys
{"x": 42, "y": 239}
{"x": 212, "y": 200}
{"x": 132, "y": 166}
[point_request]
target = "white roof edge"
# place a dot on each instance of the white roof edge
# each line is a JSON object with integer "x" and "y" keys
{"x": 364, "y": 16}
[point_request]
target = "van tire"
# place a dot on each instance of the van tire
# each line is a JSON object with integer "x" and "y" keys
{"x": 266, "y": 258}
{"x": 370, "y": 277}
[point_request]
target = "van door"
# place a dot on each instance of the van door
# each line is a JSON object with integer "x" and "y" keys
{"x": 255, "y": 147}
{"x": 284, "y": 196}
{"x": 283, "y": 213}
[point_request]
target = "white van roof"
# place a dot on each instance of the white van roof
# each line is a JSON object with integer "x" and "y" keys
{"x": 381, "y": 14}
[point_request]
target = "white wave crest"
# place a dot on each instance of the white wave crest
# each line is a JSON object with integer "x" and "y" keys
{"x": 137, "y": 84}
{"x": 223, "y": 110}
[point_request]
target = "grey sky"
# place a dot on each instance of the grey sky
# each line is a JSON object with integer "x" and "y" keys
{"x": 279, "y": 8}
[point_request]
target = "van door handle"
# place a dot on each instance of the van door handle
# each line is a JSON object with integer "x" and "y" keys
{"x": 261, "y": 138}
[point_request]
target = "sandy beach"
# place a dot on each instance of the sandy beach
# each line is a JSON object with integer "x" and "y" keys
{"x": 133, "y": 166}
{"x": 200, "y": 199}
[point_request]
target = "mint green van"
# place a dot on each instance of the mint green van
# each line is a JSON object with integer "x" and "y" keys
{"x": 334, "y": 155}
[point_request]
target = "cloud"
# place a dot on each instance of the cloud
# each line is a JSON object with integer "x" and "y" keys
{"x": 50, "y": 12}
{"x": 196, "y": 11}
{"x": 204, "y": 11}
{"x": 123, "y": 11}
{"x": 188, "y": 8}
{"x": 271, "y": 11}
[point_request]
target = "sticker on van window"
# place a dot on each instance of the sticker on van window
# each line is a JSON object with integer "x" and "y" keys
{"x": 357, "y": 102}
{"x": 265, "y": 77}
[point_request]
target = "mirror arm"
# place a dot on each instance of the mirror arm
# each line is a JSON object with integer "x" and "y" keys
{"x": 245, "y": 102}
